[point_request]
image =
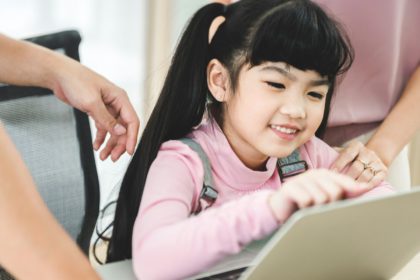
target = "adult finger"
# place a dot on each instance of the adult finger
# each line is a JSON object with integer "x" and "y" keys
{"x": 356, "y": 169}
{"x": 129, "y": 117}
{"x": 379, "y": 171}
{"x": 103, "y": 117}
{"x": 118, "y": 102}
{"x": 366, "y": 176}
{"x": 377, "y": 179}
{"x": 119, "y": 148}
{"x": 346, "y": 156}
{"x": 100, "y": 136}
{"x": 112, "y": 141}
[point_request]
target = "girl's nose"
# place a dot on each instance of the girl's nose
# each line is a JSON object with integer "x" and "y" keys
{"x": 294, "y": 108}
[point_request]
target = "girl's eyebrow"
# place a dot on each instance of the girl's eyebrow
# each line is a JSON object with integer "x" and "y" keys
{"x": 292, "y": 77}
{"x": 280, "y": 70}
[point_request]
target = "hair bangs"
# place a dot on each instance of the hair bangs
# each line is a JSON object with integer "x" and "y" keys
{"x": 301, "y": 35}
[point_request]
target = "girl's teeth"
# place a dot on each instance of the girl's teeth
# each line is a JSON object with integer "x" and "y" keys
{"x": 284, "y": 129}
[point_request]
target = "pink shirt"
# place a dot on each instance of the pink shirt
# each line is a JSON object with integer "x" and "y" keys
{"x": 385, "y": 36}
{"x": 169, "y": 243}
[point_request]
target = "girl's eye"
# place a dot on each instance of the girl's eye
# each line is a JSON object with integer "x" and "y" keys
{"x": 276, "y": 85}
{"x": 316, "y": 95}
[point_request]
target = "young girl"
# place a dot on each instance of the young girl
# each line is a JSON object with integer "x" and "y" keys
{"x": 267, "y": 74}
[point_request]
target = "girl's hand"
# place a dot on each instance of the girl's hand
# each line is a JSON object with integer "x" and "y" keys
{"x": 363, "y": 164}
{"x": 314, "y": 187}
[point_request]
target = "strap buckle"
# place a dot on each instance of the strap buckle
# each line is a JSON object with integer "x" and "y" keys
{"x": 208, "y": 196}
{"x": 291, "y": 169}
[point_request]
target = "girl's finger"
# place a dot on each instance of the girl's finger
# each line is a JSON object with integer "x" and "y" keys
{"x": 351, "y": 187}
{"x": 297, "y": 193}
{"x": 317, "y": 193}
{"x": 333, "y": 191}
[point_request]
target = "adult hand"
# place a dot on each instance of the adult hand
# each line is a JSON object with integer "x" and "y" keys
{"x": 361, "y": 163}
{"x": 106, "y": 103}
{"x": 30, "y": 65}
{"x": 314, "y": 187}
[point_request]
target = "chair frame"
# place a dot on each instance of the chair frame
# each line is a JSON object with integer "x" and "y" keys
{"x": 69, "y": 41}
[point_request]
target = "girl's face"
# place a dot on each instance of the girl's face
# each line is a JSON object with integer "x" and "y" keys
{"x": 275, "y": 109}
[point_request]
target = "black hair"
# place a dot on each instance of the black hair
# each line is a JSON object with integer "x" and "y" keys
{"x": 297, "y": 32}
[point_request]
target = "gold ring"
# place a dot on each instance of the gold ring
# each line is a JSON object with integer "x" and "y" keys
{"x": 373, "y": 170}
{"x": 365, "y": 164}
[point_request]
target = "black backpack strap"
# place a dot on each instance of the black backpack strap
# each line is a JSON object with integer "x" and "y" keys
{"x": 208, "y": 194}
{"x": 291, "y": 165}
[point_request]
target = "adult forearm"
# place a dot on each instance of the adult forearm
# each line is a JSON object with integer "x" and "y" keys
{"x": 32, "y": 243}
{"x": 24, "y": 63}
{"x": 401, "y": 123}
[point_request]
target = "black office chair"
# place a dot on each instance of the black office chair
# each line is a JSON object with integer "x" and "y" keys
{"x": 56, "y": 144}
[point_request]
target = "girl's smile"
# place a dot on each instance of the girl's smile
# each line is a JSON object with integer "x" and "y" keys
{"x": 286, "y": 132}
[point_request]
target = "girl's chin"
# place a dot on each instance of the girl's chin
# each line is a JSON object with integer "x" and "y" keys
{"x": 281, "y": 150}
{"x": 282, "y": 154}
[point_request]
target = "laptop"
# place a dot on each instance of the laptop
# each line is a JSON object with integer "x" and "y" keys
{"x": 367, "y": 238}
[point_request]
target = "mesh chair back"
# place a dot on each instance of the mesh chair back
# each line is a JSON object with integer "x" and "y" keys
{"x": 55, "y": 142}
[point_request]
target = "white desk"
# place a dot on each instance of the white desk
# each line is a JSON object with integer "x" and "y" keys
{"x": 411, "y": 271}
{"x": 123, "y": 270}
{"x": 117, "y": 270}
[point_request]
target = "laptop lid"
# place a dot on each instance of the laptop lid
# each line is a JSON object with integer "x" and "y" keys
{"x": 354, "y": 239}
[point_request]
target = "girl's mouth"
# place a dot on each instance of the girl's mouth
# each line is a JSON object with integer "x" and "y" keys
{"x": 285, "y": 132}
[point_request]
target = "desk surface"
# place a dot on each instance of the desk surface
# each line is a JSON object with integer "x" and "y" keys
{"x": 123, "y": 270}
{"x": 411, "y": 271}
{"x": 116, "y": 270}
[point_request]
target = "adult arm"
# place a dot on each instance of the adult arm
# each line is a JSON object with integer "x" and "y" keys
{"x": 24, "y": 63}
{"x": 31, "y": 241}
{"x": 392, "y": 135}
{"x": 400, "y": 125}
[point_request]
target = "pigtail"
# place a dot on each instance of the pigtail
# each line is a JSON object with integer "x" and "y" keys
{"x": 180, "y": 107}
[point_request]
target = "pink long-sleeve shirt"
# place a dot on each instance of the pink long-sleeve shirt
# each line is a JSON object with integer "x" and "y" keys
{"x": 170, "y": 243}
